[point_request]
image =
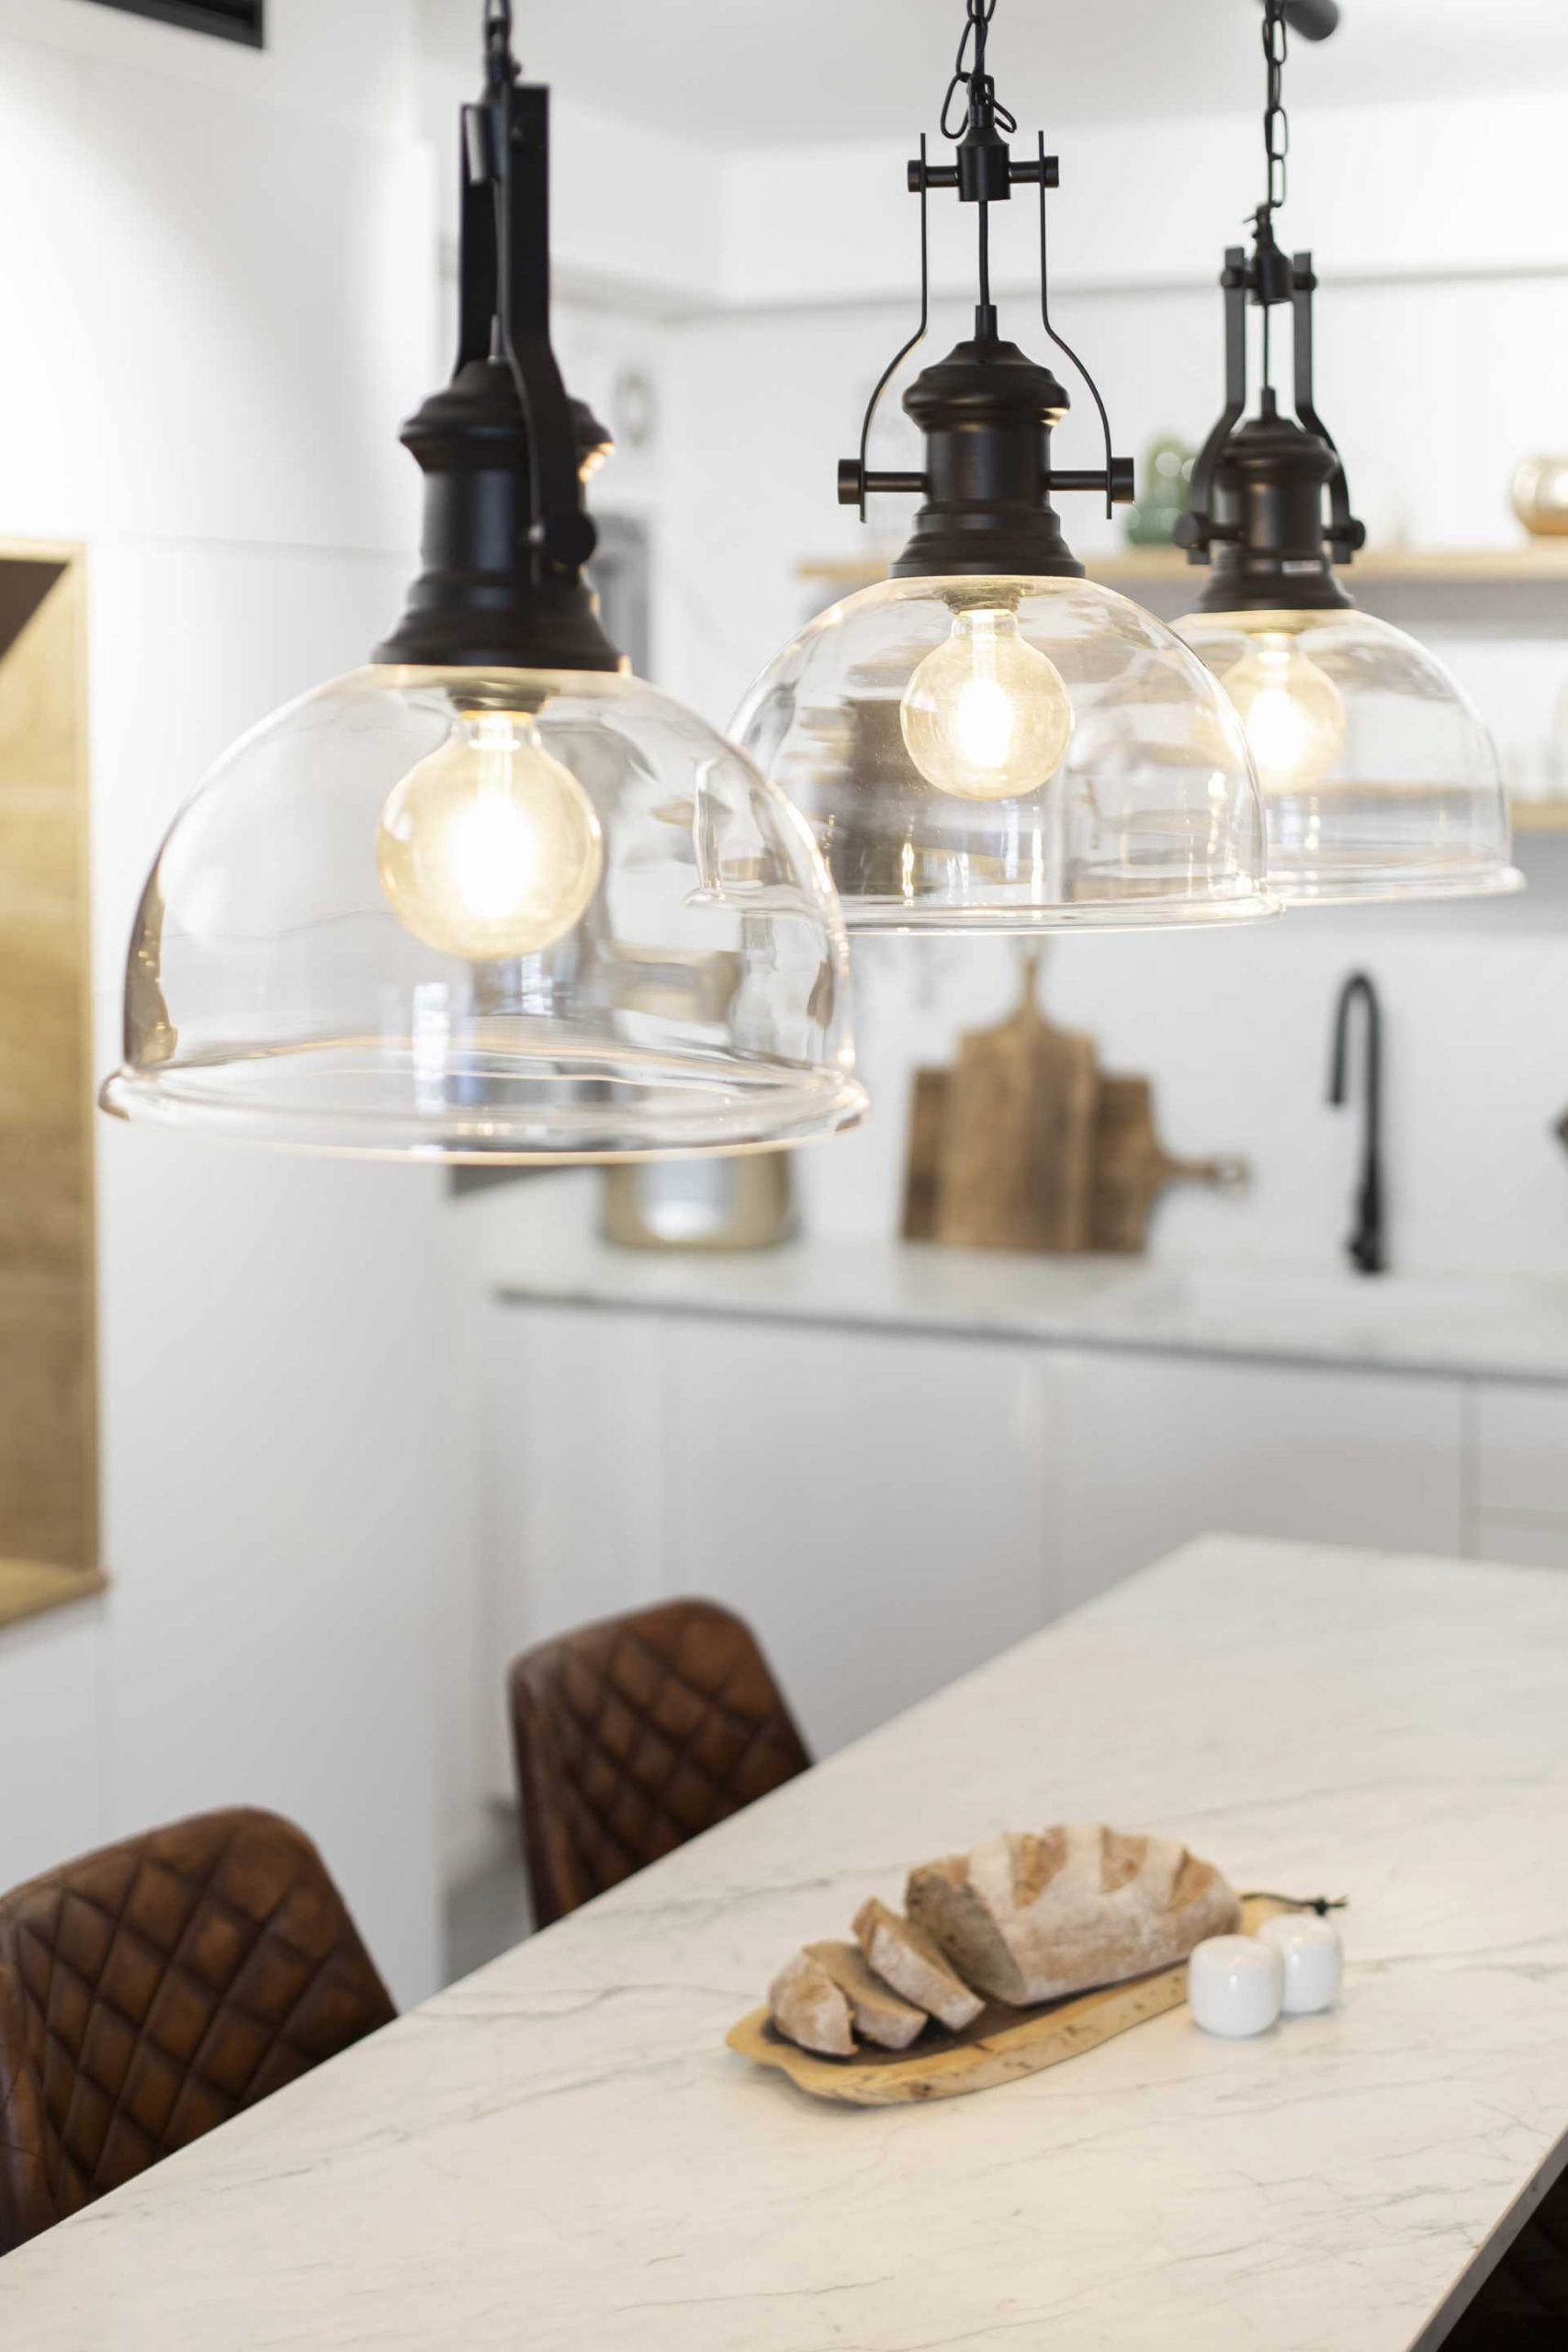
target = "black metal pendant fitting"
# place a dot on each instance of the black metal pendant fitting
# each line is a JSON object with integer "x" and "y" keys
{"x": 502, "y": 447}
{"x": 1269, "y": 506}
{"x": 1269, "y": 548}
{"x": 987, "y": 411}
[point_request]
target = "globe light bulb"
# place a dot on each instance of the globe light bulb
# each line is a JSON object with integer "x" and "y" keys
{"x": 489, "y": 847}
{"x": 986, "y": 717}
{"x": 1293, "y": 713}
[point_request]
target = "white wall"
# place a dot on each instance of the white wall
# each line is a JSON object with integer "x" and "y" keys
{"x": 220, "y": 274}
{"x": 635, "y": 214}
{"x": 1385, "y": 189}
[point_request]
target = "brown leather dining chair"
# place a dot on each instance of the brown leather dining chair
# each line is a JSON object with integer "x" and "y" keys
{"x": 636, "y": 1734}
{"x": 152, "y": 1990}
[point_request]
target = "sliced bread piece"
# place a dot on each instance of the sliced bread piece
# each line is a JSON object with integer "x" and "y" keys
{"x": 879, "y": 2014}
{"x": 1030, "y": 1918}
{"x": 907, "y": 1959}
{"x": 805, "y": 2003}
{"x": 942, "y": 1899}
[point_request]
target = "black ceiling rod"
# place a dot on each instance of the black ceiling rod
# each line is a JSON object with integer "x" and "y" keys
{"x": 502, "y": 447}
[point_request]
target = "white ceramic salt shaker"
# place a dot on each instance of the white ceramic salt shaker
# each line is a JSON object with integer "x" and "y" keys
{"x": 1310, "y": 1947}
{"x": 1235, "y": 1984}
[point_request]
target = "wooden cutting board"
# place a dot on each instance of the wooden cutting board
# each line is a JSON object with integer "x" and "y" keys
{"x": 1001, "y": 2045}
{"x": 1131, "y": 1166}
{"x": 922, "y": 1163}
{"x": 1017, "y": 1125}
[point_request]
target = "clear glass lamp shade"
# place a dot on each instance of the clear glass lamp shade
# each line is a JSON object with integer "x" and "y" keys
{"x": 1379, "y": 781}
{"x": 474, "y": 915}
{"x": 1012, "y": 755}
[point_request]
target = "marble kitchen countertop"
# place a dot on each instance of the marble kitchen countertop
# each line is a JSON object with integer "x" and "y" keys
{"x": 560, "y": 2152}
{"x": 1501, "y": 1327}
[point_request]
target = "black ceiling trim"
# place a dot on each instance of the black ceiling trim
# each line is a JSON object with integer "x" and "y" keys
{"x": 243, "y": 20}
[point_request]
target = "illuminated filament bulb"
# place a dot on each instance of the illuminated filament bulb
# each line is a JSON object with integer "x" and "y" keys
{"x": 1293, "y": 713}
{"x": 986, "y": 716}
{"x": 489, "y": 847}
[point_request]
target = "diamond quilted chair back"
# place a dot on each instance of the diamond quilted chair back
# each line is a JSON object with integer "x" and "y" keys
{"x": 635, "y": 1734}
{"x": 153, "y": 1990}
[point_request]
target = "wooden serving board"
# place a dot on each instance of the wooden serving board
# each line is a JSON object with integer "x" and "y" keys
{"x": 1017, "y": 1135}
{"x": 922, "y": 1166}
{"x": 1131, "y": 1166}
{"x": 1001, "y": 2044}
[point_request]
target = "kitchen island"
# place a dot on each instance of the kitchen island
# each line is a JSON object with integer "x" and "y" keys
{"x": 560, "y": 2150}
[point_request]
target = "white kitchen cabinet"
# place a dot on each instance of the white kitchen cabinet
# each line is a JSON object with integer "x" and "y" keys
{"x": 573, "y": 1469}
{"x": 891, "y": 1506}
{"x": 881, "y": 1505}
{"x": 1519, "y": 1482}
{"x": 1162, "y": 1448}
{"x": 571, "y": 1489}
{"x": 1521, "y": 1448}
{"x": 1520, "y": 1539}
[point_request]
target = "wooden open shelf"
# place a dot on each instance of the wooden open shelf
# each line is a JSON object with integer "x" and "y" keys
{"x": 28, "y": 1589}
{"x": 1543, "y": 561}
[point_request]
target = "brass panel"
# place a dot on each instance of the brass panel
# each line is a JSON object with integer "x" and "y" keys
{"x": 48, "y": 1534}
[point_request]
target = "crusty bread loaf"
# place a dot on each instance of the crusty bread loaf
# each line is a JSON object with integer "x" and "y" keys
{"x": 805, "y": 2003}
{"x": 876, "y": 2009}
{"x": 908, "y": 1961}
{"x": 1032, "y": 1917}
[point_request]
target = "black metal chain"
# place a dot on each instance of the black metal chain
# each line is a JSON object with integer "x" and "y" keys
{"x": 498, "y": 33}
{"x": 969, "y": 75}
{"x": 500, "y": 63}
{"x": 1276, "y": 124}
{"x": 1276, "y": 150}
{"x": 983, "y": 115}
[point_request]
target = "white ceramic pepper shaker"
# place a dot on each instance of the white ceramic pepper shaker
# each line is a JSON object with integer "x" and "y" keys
{"x": 1313, "y": 1957}
{"x": 1235, "y": 1984}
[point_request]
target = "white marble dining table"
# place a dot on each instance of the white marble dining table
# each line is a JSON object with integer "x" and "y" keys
{"x": 560, "y": 2150}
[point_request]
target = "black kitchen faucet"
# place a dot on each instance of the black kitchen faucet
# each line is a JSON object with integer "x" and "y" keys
{"x": 1365, "y": 1246}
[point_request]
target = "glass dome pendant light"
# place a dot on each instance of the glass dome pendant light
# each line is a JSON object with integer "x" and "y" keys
{"x": 1379, "y": 781}
{"x": 464, "y": 903}
{"x": 987, "y": 742}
